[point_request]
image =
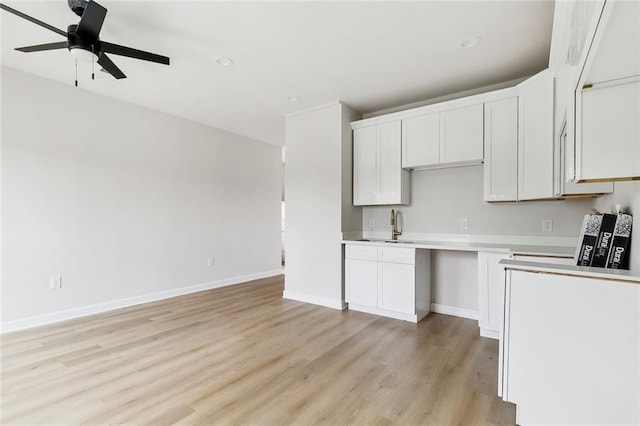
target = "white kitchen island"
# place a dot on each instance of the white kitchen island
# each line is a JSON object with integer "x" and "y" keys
{"x": 570, "y": 352}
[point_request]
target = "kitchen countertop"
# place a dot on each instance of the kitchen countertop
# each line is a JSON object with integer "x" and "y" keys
{"x": 517, "y": 249}
{"x": 572, "y": 270}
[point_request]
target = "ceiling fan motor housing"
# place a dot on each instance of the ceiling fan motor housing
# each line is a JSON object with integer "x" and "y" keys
{"x": 75, "y": 41}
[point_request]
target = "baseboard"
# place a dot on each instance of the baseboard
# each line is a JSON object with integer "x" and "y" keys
{"x": 382, "y": 312}
{"x": 314, "y": 300}
{"x": 455, "y": 311}
{"x": 492, "y": 334}
{"x": 54, "y": 317}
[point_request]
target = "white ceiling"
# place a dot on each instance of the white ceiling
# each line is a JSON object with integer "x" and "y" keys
{"x": 370, "y": 55}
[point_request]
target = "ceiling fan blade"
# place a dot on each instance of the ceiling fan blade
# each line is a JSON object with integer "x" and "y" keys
{"x": 92, "y": 19}
{"x": 41, "y": 47}
{"x": 110, "y": 67}
{"x": 116, "y": 49}
{"x": 34, "y": 20}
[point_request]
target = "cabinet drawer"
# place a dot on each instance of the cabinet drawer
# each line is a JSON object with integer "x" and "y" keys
{"x": 546, "y": 259}
{"x": 397, "y": 255}
{"x": 361, "y": 252}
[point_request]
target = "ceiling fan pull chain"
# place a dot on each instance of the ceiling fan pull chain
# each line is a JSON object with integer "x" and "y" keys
{"x": 93, "y": 62}
{"x": 76, "y": 72}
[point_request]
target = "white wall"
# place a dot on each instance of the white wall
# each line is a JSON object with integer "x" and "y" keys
{"x": 454, "y": 280}
{"x": 315, "y": 171}
{"x": 440, "y": 198}
{"x": 627, "y": 194}
{"x": 124, "y": 202}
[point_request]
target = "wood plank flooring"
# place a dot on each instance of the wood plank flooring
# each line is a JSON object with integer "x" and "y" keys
{"x": 243, "y": 355}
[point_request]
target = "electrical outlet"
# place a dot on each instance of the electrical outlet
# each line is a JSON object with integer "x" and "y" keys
{"x": 464, "y": 223}
{"x": 372, "y": 222}
{"x": 55, "y": 282}
{"x": 210, "y": 262}
{"x": 547, "y": 225}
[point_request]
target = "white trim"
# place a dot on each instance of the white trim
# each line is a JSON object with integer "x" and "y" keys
{"x": 492, "y": 334}
{"x": 385, "y": 313}
{"x": 82, "y": 311}
{"x": 314, "y": 300}
{"x": 312, "y": 109}
{"x": 455, "y": 311}
{"x": 498, "y": 90}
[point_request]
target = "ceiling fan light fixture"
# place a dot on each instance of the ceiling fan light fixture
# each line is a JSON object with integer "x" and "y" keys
{"x": 470, "y": 42}
{"x": 83, "y": 55}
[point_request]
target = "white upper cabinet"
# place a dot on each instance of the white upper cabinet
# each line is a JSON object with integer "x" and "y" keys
{"x": 610, "y": 137}
{"x": 535, "y": 137}
{"x": 421, "y": 141}
{"x": 445, "y": 138}
{"x": 570, "y": 42}
{"x": 461, "y": 135}
{"x": 615, "y": 50}
{"x": 501, "y": 150}
{"x": 378, "y": 177}
{"x": 608, "y": 98}
{"x": 393, "y": 179}
{"x": 365, "y": 166}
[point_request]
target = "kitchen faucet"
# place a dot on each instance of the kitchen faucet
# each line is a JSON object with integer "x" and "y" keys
{"x": 394, "y": 225}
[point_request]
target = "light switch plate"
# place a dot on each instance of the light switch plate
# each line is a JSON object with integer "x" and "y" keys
{"x": 547, "y": 225}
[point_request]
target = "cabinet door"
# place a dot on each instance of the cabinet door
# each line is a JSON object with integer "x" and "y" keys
{"x": 610, "y": 136}
{"x": 365, "y": 167}
{"x": 461, "y": 135}
{"x": 361, "y": 282}
{"x": 397, "y": 287}
{"x": 501, "y": 150}
{"x": 390, "y": 163}
{"x": 535, "y": 138}
{"x": 491, "y": 293}
{"x": 421, "y": 141}
{"x": 565, "y": 176}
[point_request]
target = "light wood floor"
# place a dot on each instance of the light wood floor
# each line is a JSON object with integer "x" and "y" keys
{"x": 243, "y": 355}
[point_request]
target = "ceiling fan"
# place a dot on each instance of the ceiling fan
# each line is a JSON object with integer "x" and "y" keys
{"x": 83, "y": 39}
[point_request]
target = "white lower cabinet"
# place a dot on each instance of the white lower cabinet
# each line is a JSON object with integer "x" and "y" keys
{"x": 389, "y": 281}
{"x": 362, "y": 276}
{"x": 571, "y": 352}
{"x": 397, "y": 287}
{"x": 491, "y": 293}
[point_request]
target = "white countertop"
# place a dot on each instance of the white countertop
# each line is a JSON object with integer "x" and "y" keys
{"x": 572, "y": 270}
{"x": 517, "y": 249}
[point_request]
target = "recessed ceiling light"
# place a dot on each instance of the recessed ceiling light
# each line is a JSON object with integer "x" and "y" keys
{"x": 223, "y": 61}
{"x": 470, "y": 42}
{"x": 293, "y": 98}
